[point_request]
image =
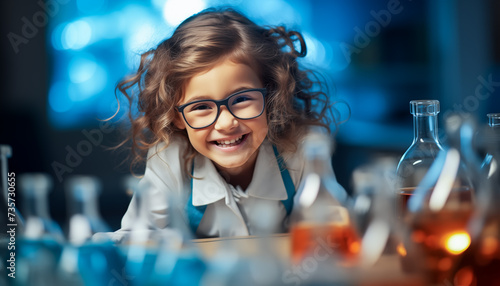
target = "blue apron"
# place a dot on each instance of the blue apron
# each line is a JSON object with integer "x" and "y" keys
{"x": 195, "y": 213}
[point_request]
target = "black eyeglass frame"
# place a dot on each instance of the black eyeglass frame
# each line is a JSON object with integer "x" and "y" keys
{"x": 224, "y": 102}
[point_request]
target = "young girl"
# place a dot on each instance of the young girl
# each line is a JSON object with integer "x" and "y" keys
{"x": 223, "y": 107}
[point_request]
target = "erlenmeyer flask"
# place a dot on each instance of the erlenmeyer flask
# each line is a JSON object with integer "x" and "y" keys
{"x": 424, "y": 149}
{"x": 321, "y": 219}
{"x": 179, "y": 261}
{"x": 442, "y": 205}
{"x": 480, "y": 263}
{"x": 84, "y": 262}
{"x": 490, "y": 165}
{"x": 143, "y": 241}
{"x": 375, "y": 196}
{"x": 39, "y": 225}
{"x": 40, "y": 245}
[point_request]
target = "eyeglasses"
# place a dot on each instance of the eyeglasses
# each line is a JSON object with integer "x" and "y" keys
{"x": 245, "y": 104}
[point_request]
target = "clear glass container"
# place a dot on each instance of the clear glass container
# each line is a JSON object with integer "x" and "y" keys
{"x": 321, "y": 217}
{"x": 480, "y": 263}
{"x": 83, "y": 209}
{"x": 83, "y": 261}
{"x": 442, "y": 205}
{"x": 424, "y": 149}
{"x": 176, "y": 253}
{"x": 39, "y": 247}
{"x": 489, "y": 165}
{"x": 35, "y": 189}
{"x": 143, "y": 241}
{"x": 375, "y": 194}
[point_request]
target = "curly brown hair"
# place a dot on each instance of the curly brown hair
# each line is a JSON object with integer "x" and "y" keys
{"x": 295, "y": 100}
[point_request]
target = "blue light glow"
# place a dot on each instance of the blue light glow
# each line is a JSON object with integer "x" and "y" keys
{"x": 94, "y": 85}
{"x": 95, "y": 43}
{"x": 59, "y": 93}
{"x": 76, "y": 35}
{"x": 56, "y": 37}
{"x": 318, "y": 53}
{"x": 90, "y": 6}
{"x": 175, "y": 11}
{"x": 82, "y": 68}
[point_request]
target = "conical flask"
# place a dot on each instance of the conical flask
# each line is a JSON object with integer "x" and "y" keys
{"x": 143, "y": 242}
{"x": 421, "y": 154}
{"x": 490, "y": 165}
{"x": 321, "y": 217}
{"x": 375, "y": 195}
{"x": 442, "y": 205}
{"x": 39, "y": 225}
{"x": 480, "y": 263}
{"x": 40, "y": 246}
{"x": 177, "y": 254}
{"x": 84, "y": 262}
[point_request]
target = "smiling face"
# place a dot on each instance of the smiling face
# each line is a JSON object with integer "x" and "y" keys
{"x": 231, "y": 143}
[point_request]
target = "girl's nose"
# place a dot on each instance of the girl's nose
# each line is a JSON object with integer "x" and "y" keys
{"x": 226, "y": 120}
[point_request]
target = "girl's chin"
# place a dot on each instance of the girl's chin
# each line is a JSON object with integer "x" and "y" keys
{"x": 235, "y": 165}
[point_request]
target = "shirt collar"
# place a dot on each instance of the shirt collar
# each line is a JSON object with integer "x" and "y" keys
{"x": 267, "y": 182}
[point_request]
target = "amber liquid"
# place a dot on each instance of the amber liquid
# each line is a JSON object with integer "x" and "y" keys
{"x": 462, "y": 196}
{"x": 340, "y": 240}
{"x": 404, "y": 196}
{"x": 480, "y": 264}
{"x": 432, "y": 227}
{"x": 439, "y": 239}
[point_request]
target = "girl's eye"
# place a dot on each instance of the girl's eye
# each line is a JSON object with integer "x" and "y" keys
{"x": 241, "y": 98}
{"x": 200, "y": 106}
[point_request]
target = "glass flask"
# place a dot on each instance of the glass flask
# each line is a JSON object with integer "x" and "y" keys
{"x": 321, "y": 220}
{"x": 142, "y": 242}
{"x": 375, "y": 194}
{"x": 442, "y": 205}
{"x": 480, "y": 263}
{"x": 83, "y": 208}
{"x": 424, "y": 149}
{"x": 178, "y": 260}
{"x": 489, "y": 165}
{"x": 39, "y": 225}
{"x": 83, "y": 261}
{"x": 41, "y": 243}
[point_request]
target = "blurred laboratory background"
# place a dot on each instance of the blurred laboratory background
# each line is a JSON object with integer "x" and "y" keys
{"x": 61, "y": 60}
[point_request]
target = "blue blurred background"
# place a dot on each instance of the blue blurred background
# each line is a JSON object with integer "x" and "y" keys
{"x": 61, "y": 60}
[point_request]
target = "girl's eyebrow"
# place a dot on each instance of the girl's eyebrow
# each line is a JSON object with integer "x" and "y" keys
{"x": 204, "y": 97}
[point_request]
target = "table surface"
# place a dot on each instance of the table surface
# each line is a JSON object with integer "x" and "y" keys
{"x": 385, "y": 272}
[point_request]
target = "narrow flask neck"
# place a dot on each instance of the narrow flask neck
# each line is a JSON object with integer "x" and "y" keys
{"x": 36, "y": 206}
{"x": 317, "y": 165}
{"x": 86, "y": 207}
{"x": 425, "y": 128}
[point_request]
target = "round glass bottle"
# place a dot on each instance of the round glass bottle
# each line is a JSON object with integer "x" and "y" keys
{"x": 489, "y": 165}
{"x": 479, "y": 264}
{"x": 422, "y": 152}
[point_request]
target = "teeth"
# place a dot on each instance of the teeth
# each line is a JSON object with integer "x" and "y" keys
{"x": 227, "y": 142}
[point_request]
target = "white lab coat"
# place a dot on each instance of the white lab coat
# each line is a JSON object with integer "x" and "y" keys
{"x": 230, "y": 211}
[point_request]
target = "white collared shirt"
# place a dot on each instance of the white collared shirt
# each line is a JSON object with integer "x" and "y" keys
{"x": 230, "y": 211}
